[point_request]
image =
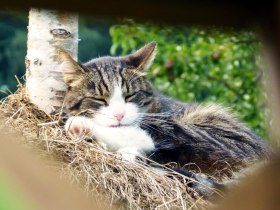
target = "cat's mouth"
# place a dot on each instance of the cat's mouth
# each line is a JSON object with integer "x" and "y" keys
{"x": 118, "y": 126}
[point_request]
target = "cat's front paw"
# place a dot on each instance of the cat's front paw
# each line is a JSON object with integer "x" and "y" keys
{"x": 129, "y": 154}
{"x": 79, "y": 127}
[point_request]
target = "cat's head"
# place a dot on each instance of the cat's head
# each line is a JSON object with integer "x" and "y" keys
{"x": 111, "y": 90}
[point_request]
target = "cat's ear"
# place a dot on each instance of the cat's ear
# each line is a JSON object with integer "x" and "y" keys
{"x": 143, "y": 58}
{"x": 72, "y": 72}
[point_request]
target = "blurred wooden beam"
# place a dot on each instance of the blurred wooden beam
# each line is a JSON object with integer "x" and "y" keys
{"x": 41, "y": 186}
{"x": 258, "y": 192}
{"x": 203, "y": 12}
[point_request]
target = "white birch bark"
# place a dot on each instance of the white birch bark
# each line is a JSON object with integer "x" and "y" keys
{"x": 48, "y": 30}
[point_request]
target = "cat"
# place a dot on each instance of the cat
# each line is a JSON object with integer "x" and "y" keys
{"x": 109, "y": 99}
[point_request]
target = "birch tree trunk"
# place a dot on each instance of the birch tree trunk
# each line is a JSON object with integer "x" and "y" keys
{"x": 48, "y": 31}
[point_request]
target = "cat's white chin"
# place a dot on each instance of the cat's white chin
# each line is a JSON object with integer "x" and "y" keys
{"x": 116, "y": 125}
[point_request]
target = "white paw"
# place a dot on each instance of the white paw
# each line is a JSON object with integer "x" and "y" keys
{"x": 78, "y": 127}
{"x": 129, "y": 154}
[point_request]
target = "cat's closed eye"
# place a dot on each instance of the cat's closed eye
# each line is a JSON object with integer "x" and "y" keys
{"x": 130, "y": 97}
{"x": 100, "y": 101}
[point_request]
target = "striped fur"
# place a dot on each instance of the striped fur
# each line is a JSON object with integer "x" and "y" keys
{"x": 209, "y": 136}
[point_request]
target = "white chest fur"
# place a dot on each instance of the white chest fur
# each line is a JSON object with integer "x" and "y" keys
{"x": 125, "y": 136}
{"x": 124, "y": 139}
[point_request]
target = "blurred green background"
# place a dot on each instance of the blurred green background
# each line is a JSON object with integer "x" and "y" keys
{"x": 193, "y": 63}
{"x": 12, "y": 195}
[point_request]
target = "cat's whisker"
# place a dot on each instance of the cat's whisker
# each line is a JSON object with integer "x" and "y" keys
{"x": 158, "y": 116}
{"x": 104, "y": 115}
{"x": 152, "y": 128}
{"x": 168, "y": 113}
{"x": 163, "y": 113}
{"x": 153, "y": 115}
{"x": 156, "y": 120}
{"x": 149, "y": 126}
{"x": 95, "y": 112}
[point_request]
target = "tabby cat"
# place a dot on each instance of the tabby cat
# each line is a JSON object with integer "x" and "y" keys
{"x": 110, "y": 100}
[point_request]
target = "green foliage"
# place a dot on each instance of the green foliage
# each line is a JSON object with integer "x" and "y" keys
{"x": 95, "y": 40}
{"x": 203, "y": 65}
{"x": 13, "y": 36}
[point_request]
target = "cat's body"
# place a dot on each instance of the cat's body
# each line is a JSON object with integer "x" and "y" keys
{"x": 110, "y": 100}
{"x": 209, "y": 136}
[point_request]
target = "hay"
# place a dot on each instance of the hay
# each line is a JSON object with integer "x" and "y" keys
{"x": 99, "y": 172}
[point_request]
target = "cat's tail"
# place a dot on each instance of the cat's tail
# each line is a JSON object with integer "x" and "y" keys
{"x": 209, "y": 187}
{"x": 203, "y": 184}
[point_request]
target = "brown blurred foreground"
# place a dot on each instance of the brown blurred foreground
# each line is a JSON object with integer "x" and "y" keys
{"x": 260, "y": 191}
{"x": 42, "y": 187}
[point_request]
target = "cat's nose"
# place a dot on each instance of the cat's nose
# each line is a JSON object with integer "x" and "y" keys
{"x": 119, "y": 116}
